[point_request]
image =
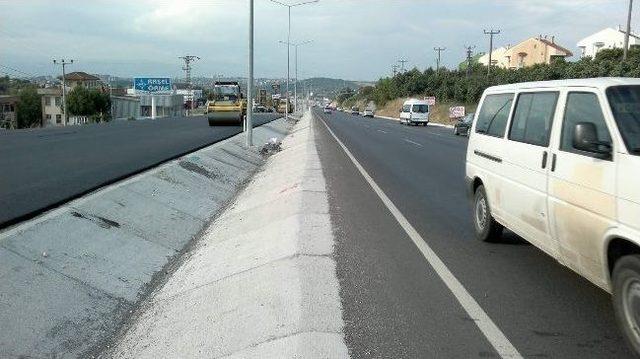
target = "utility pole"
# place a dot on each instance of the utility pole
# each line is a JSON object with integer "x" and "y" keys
{"x": 249, "y": 119}
{"x": 289, "y": 6}
{"x": 626, "y": 35}
{"x": 439, "y": 51}
{"x": 64, "y": 88}
{"x": 469, "y": 56}
{"x": 402, "y": 62}
{"x": 394, "y": 68}
{"x": 490, "y": 33}
{"x": 188, "y": 59}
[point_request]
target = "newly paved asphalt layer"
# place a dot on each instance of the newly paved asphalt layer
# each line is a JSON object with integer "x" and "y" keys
{"x": 394, "y": 303}
{"x": 43, "y": 168}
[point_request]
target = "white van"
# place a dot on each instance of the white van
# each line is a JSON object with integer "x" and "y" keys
{"x": 558, "y": 163}
{"x": 415, "y": 112}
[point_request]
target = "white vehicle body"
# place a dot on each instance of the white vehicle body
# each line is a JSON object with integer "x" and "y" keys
{"x": 368, "y": 112}
{"x": 415, "y": 111}
{"x": 574, "y": 205}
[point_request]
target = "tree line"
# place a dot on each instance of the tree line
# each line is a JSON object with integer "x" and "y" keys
{"x": 461, "y": 86}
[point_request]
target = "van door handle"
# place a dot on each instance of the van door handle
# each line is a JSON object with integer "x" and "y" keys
{"x": 553, "y": 162}
{"x": 544, "y": 159}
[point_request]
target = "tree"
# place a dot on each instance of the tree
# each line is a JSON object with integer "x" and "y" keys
{"x": 29, "y": 108}
{"x": 91, "y": 103}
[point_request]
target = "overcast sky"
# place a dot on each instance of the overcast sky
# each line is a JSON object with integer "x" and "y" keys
{"x": 352, "y": 39}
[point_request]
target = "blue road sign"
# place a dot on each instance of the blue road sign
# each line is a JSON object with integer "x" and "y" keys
{"x": 152, "y": 84}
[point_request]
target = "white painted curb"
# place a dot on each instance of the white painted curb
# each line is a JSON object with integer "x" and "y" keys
{"x": 262, "y": 281}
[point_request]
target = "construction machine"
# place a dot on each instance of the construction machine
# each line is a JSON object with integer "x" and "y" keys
{"x": 228, "y": 104}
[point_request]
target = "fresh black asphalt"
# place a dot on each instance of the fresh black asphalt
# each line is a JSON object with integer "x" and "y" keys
{"x": 395, "y": 306}
{"x": 42, "y": 168}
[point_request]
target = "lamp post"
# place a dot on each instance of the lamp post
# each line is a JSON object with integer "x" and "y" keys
{"x": 627, "y": 33}
{"x": 295, "y": 86}
{"x": 289, "y": 6}
{"x": 64, "y": 90}
{"x": 250, "y": 80}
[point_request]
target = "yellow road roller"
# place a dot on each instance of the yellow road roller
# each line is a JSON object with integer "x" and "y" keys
{"x": 228, "y": 105}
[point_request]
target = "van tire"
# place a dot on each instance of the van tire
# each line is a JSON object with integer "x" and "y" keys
{"x": 626, "y": 275}
{"x": 486, "y": 228}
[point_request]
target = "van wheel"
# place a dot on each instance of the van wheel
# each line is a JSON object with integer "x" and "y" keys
{"x": 626, "y": 298}
{"x": 486, "y": 228}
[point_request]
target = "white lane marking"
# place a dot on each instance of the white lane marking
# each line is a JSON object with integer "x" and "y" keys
{"x": 494, "y": 335}
{"x": 382, "y": 131}
{"x": 415, "y": 143}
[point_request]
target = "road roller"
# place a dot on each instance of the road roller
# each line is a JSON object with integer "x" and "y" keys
{"x": 228, "y": 105}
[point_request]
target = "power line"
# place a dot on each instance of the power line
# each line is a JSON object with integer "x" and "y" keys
{"x": 402, "y": 62}
{"x": 16, "y": 70}
{"x": 491, "y": 33}
{"x": 394, "y": 68}
{"x": 63, "y": 63}
{"x": 469, "y": 56}
{"x": 439, "y": 51}
{"x": 188, "y": 59}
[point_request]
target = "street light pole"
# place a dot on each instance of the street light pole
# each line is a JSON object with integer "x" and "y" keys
{"x": 295, "y": 86}
{"x": 289, "y": 6}
{"x": 626, "y": 35}
{"x": 250, "y": 81}
{"x": 64, "y": 96}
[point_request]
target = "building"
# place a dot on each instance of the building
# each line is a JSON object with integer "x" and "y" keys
{"x": 125, "y": 107}
{"x": 80, "y": 78}
{"x": 535, "y": 50}
{"x": 197, "y": 94}
{"x": 166, "y": 105}
{"x": 497, "y": 57}
{"x": 608, "y": 38}
{"x": 51, "y": 106}
{"x": 8, "y": 107}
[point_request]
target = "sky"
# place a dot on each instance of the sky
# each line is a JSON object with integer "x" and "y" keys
{"x": 351, "y": 39}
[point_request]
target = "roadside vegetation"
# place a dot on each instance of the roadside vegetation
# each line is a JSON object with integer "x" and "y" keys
{"x": 457, "y": 87}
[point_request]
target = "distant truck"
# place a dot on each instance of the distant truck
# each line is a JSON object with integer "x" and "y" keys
{"x": 228, "y": 104}
{"x": 283, "y": 104}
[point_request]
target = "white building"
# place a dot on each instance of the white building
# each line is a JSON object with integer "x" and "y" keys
{"x": 497, "y": 57}
{"x": 608, "y": 38}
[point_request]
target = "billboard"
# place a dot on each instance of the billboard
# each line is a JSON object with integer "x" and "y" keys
{"x": 152, "y": 84}
{"x": 456, "y": 111}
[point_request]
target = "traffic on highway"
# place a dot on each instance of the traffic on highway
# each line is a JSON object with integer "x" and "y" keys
{"x": 319, "y": 179}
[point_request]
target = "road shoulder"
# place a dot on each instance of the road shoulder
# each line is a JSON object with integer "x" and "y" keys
{"x": 261, "y": 282}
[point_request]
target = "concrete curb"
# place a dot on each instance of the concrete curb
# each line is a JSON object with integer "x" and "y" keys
{"x": 73, "y": 275}
{"x": 262, "y": 282}
{"x": 430, "y": 123}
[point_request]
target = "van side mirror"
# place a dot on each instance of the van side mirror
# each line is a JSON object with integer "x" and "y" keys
{"x": 585, "y": 138}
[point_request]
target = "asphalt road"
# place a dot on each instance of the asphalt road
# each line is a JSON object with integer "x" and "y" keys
{"x": 395, "y": 305}
{"x": 43, "y": 168}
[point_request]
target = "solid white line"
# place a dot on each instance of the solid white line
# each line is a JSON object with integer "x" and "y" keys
{"x": 415, "y": 143}
{"x": 382, "y": 131}
{"x": 494, "y": 335}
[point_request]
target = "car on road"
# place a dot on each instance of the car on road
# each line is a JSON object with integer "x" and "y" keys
{"x": 463, "y": 125}
{"x": 326, "y": 109}
{"x": 368, "y": 112}
{"x": 558, "y": 163}
{"x": 355, "y": 110}
{"x": 414, "y": 111}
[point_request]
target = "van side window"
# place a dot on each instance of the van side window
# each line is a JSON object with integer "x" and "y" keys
{"x": 406, "y": 108}
{"x": 582, "y": 107}
{"x": 493, "y": 116}
{"x": 533, "y": 117}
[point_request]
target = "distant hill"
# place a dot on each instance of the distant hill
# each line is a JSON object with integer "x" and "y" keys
{"x": 328, "y": 87}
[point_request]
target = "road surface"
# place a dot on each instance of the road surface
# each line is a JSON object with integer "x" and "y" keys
{"x": 43, "y": 168}
{"x": 395, "y": 305}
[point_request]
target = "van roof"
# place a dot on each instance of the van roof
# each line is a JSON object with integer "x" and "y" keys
{"x": 599, "y": 82}
{"x": 415, "y": 101}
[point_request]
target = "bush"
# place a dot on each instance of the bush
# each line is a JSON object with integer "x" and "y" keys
{"x": 456, "y": 85}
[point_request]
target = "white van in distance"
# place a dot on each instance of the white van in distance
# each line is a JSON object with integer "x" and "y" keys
{"x": 414, "y": 112}
{"x": 558, "y": 163}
